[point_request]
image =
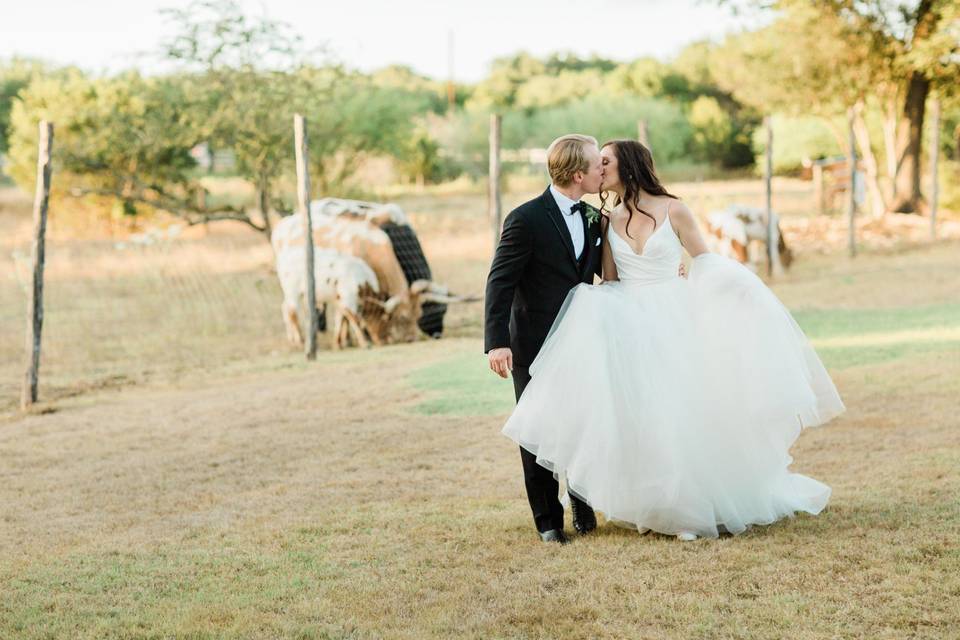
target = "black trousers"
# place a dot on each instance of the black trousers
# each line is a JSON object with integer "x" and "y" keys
{"x": 542, "y": 487}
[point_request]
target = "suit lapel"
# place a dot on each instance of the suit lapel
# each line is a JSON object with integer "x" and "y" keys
{"x": 588, "y": 245}
{"x": 553, "y": 212}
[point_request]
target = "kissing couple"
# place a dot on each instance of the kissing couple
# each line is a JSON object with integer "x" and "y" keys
{"x": 667, "y": 401}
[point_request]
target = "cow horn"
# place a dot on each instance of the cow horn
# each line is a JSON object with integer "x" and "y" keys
{"x": 377, "y": 301}
{"x": 419, "y": 286}
{"x": 392, "y": 303}
{"x": 447, "y": 298}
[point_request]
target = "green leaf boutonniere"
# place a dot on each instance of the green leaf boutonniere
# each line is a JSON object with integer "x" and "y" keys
{"x": 591, "y": 213}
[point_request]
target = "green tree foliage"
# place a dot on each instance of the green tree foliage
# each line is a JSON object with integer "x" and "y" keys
{"x": 605, "y": 117}
{"x": 126, "y": 137}
{"x": 357, "y": 120}
{"x": 404, "y": 79}
{"x": 712, "y": 126}
{"x": 251, "y": 76}
{"x": 799, "y": 138}
{"x": 643, "y": 77}
{"x": 14, "y": 76}
{"x": 540, "y": 96}
{"x": 243, "y": 89}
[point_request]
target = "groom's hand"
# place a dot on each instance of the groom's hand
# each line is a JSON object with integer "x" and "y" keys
{"x": 501, "y": 361}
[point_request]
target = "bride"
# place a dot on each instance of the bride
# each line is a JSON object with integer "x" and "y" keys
{"x": 697, "y": 387}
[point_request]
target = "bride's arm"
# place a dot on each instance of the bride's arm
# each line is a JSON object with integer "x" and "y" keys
{"x": 687, "y": 230}
{"x": 606, "y": 255}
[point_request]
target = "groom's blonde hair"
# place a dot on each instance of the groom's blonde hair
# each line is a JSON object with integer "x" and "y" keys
{"x": 566, "y": 155}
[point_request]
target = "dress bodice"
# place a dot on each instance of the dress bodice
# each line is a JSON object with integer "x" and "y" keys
{"x": 658, "y": 261}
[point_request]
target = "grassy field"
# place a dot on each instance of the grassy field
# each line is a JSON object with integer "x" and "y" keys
{"x": 189, "y": 476}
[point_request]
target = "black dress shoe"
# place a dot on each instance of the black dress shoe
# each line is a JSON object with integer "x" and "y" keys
{"x": 554, "y": 535}
{"x": 584, "y": 520}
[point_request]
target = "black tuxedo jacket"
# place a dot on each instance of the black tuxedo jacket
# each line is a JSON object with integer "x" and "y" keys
{"x": 533, "y": 269}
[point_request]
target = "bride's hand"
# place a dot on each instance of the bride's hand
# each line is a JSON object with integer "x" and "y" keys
{"x": 682, "y": 271}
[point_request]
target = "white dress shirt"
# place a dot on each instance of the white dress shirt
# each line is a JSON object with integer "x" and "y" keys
{"x": 574, "y": 221}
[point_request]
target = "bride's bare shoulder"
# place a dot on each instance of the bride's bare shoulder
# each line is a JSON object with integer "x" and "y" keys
{"x": 679, "y": 211}
{"x": 615, "y": 213}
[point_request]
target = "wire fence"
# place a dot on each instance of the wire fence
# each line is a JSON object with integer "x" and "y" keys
{"x": 171, "y": 301}
{"x": 121, "y": 313}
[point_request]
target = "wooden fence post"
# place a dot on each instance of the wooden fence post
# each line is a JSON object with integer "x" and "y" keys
{"x": 643, "y": 133}
{"x": 773, "y": 232}
{"x": 41, "y": 202}
{"x": 303, "y": 201}
{"x": 852, "y": 201}
{"x": 494, "y": 183}
{"x": 934, "y": 169}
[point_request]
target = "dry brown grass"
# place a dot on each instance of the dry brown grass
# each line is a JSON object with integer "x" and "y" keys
{"x": 239, "y": 492}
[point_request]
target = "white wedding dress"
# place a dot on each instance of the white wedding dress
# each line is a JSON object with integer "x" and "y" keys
{"x": 671, "y": 404}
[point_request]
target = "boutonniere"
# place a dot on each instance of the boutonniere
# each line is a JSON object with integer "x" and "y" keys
{"x": 591, "y": 213}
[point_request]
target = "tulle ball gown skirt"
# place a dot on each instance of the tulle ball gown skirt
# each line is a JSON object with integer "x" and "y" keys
{"x": 672, "y": 404}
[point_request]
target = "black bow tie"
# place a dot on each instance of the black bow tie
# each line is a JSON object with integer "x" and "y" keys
{"x": 580, "y": 206}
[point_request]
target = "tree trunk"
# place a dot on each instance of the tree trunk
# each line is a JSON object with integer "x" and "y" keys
{"x": 878, "y": 205}
{"x": 263, "y": 195}
{"x": 890, "y": 121}
{"x": 907, "y": 195}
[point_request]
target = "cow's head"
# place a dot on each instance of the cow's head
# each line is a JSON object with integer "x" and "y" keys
{"x": 400, "y": 313}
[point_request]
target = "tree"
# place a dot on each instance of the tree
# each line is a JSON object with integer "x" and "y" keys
{"x": 126, "y": 139}
{"x": 356, "y": 119}
{"x": 499, "y": 89}
{"x": 837, "y": 54}
{"x": 16, "y": 75}
{"x": 251, "y": 75}
{"x": 243, "y": 88}
{"x": 712, "y": 128}
{"x": 807, "y": 64}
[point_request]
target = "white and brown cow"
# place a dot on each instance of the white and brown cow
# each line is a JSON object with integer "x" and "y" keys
{"x": 740, "y": 232}
{"x": 348, "y": 227}
{"x": 340, "y": 280}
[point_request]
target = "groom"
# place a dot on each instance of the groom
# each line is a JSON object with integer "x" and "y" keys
{"x": 547, "y": 247}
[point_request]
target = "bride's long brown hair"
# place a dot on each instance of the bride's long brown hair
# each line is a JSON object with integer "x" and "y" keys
{"x": 636, "y": 171}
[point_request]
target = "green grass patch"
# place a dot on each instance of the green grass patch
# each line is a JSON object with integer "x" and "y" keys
{"x": 830, "y": 323}
{"x": 899, "y": 332}
{"x": 462, "y": 386}
{"x": 167, "y": 593}
{"x": 846, "y": 357}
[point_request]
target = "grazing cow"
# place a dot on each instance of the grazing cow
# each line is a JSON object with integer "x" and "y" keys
{"x": 737, "y": 231}
{"x": 374, "y": 212}
{"x": 348, "y": 227}
{"x": 340, "y": 280}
